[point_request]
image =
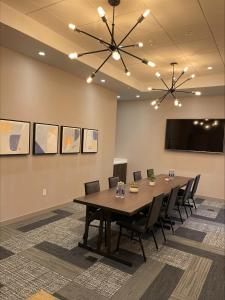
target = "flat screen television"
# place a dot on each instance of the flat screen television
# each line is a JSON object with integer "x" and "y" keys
{"x": 204, "y": 135}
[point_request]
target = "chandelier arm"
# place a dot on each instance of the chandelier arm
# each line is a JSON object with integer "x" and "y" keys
{"x": 96, "y": 71}
{"x": 110, "y": 32}
{"x": 129, "y": 32}
{"x": 128, "y": 53}
{"x": 128, "y": 46}
{"x": 92, "y": 36}
{"x": 113, "y": 26}
{"x": 164, "y": 83}
{"x": 163, "y": 97}
{"x": 160, "y": 90}
{"x": 125, "y": 67}
{"x": 186, "y": 92}
{"x": 181, "y": 74}
{"x": 92, "y": 52}
{"x": 173, "y": 77}
{"x": 173, "y": 96}
{"x": 183, "y": 82}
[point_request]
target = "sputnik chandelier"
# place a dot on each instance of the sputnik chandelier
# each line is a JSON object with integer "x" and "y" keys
{"x": 172, "y": 88}
{"x": 114, "y": 48}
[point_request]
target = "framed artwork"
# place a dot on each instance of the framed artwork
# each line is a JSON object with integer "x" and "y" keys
{"x": 45, "y": 139}
{"x": 14, "y": 137}
{"x": 89, "y": 140}
{"x": 70, "y": 140}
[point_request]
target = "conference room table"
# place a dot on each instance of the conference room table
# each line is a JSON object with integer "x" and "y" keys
{"x": 130, "y": 205}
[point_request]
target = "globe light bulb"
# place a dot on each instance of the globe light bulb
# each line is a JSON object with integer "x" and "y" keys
{"x": 72, "y": 26}
{"x": 198, "y": 93}
{"x": 180, "y": 104}
{"x": 101, "y": 12}
{"x": 201, "y": 123}
{"x": 128, "y": 73}
{"x": 157, "y": 74}
{"x": 215, "y": 123}
{"x": 176, "y": 102}
{"x": 146, "y": 13}
{"x": 156, "y": 107}
{"x": 151, "y": 64}
{"x": 90, "y": 78}
{"x": 73, "y": 55}
{"x": 116, "y": 55}
{"x": 195, "y": 122}
{"x": 140, "y": 44}
{"x": 153, "y": 102}
{"x": 149, "y": 88}
{"x": 193, "y": 76}
{"x": 185, "y": 69}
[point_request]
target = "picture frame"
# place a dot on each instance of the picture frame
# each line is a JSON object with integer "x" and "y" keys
{"x": 14, "y": 137}
{"x": 45, "y": 138}
{"x": 70, "y": 140}
{"x": 89, "y": 140}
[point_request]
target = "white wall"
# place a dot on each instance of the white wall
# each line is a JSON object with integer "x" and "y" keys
{"x": 141, "y": 135}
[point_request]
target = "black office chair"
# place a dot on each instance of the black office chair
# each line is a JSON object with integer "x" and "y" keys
{"x": 193, "y": 190}
{"x": 113, "y": 181}
{"x": 137, "y": 175}
{"x": 93, "y": 213}
{"x": 145, "y": 224}
{"x": 184, "y": 199}
{"x": 166, "y": 211}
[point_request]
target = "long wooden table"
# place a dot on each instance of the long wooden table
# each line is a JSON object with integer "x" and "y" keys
{"x": 130, "y": 205}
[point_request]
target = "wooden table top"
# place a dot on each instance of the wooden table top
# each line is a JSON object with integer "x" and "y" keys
{"x": 133, "y": 202}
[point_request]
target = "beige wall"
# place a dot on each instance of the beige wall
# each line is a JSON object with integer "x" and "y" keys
{"x": 37, "y": 92}
{"x": 141, "y": 135}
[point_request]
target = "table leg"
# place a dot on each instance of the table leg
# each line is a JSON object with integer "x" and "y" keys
{"x": 85, "y": 237}
{"x": 108, "y": 230}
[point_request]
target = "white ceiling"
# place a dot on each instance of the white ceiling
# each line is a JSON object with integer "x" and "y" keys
{"x": 190, "y": 32}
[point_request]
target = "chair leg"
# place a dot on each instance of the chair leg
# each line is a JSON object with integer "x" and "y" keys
{"x": 162, "y": 230}
{"x": 194, "y": 202}
{"x": 155, "y": 240}
{"x": 99, "y": 242}
{"x": 189, "y": 204}
{"x": 105, "y": 235}
{"x": 185, "y": 209}
{"x": 118, "y": 241}
{"x": 180, "y": 214}
{"x": 142, "y": 247}
{"x": 171, "y": 224}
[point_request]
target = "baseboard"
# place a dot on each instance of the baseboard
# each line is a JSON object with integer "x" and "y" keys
{"x": 34, "y": 214}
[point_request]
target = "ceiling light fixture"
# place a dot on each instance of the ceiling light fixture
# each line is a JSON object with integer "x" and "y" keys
{"x": 210, "y": 68}
{"x": 41, "y": 53}
{"x": 114, "y": 48}
{"x": 137, "y": 96}
{"x": 103, "y": 80}
{"x": 172, "y": 88}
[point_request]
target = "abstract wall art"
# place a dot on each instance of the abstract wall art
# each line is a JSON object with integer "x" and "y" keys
{"x": 89, "y": 140}
{"x": 70, "y": 140}
{"x": 14, "y": 137}
{"x": 45, "y": 140}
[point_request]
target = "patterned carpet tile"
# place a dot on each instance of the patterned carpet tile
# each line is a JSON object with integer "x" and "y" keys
{"x": 214, "y": 203}
{"x": 173, "y": 257}
{"x": 206, "y": 213}
{"x": 216, "y": 239}
{"x": 22, "y": 277}
{"x": 204, "y": 226}
{"x": 103, "y": 279}
{"x": 191, "y": 234}
{"x": 4, "y": 253}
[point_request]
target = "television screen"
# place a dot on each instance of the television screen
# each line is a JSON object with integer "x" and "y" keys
{"x": 206, "y": 135}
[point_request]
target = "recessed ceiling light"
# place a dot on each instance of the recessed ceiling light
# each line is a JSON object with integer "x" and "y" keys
{"x": 210, "y": 68}
{"x": 137, "y": 96}
{"x": 103, "y": 80}
{"x": 41, "y": 53}
{"x": 118, "y": 97}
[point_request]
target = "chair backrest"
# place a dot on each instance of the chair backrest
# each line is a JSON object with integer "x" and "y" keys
{"x": 195, "y": 186}
{"x": 150, "y": 172}
{"x": 154, "y": 211}
{"x": 113, "y": 181}
{"x": 137, "y": 175}
{"x": 92, "y": 187}
{"x": 172, "y": 200}
{"x": 187, "y": 191}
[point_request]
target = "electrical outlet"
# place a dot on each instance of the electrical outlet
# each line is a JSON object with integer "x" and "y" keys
{"x": 44, "y": 192}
